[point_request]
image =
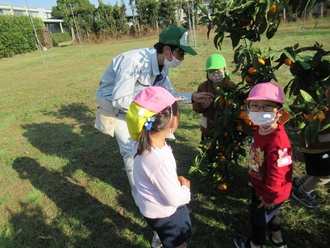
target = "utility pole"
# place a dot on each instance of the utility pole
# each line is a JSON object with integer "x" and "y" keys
{"x": 75, "y": 24}
{"x": 35, "y": 33}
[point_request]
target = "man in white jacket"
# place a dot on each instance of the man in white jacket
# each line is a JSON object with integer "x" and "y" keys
{"x": 132, "y": 71}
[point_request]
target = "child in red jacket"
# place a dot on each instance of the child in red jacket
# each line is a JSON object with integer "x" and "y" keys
{"x": 270, "y": 166}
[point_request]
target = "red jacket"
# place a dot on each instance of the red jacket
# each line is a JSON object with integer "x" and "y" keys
{"x": 270, "y": 165}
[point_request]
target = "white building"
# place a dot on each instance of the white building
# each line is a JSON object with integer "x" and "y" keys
{"x": 53, "y": 25}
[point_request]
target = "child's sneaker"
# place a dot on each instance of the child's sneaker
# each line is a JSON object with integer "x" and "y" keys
{"x": 156, "y": 243}
{"x": 296, "y": 185}
{"x": 275, "y": 245}
{"x": 241, "y": 242}
{"x": 305, "y": 199}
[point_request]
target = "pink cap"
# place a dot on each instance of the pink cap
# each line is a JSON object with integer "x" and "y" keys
{"x": 266, "y": 91}
{"x": 155, "y": 98}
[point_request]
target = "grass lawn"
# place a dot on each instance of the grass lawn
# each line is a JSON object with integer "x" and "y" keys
{"x": 63, "y": 183}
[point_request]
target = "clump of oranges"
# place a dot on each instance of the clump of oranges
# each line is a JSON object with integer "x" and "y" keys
{"x": 315, "y": 114}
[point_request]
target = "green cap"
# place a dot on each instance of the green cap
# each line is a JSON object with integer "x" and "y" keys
{"x": 175, "y": 35}
{"x": 215, "y": 62}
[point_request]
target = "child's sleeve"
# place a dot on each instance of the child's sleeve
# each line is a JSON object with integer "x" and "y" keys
{"x": 166, "y": 180}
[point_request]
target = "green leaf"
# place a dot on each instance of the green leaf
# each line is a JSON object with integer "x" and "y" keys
{"x": 263, "y": 25}
{"x": 235, "y": 38}
{"x": 203, "y": 9}
{"x": 325, "y": 127}
{"x": 271, "y": 30}
{"x": 218, "y": 38}
{"x": 311, "y": 131}
{"x": 307, "y": 97}
{"x": 192, "y": 169}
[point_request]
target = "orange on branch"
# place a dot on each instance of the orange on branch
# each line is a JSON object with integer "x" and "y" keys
{"x": 261, "y": 61}
{"x": 321, "y": 116}
{"x": 243, "y": 115}
{"x": 326, "y": 92}
{"x": 239, "y": 128}
{"x": 222, "y": 186}
{"x": 248, "y": 79}
{"x": 306, "y": 116}
{"x": 288, "y": 62}
{"x": 221, "y": 102}
{"x": 272, "y": 9}
{"x": 222, "y": 158}
{"x": 326, "y": 109}
{"x": 252, "y": 71}
{"x": 248, "y": 122}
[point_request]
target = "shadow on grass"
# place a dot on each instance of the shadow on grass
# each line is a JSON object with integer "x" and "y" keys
{"x": 84, "y": 219}
{"x": 77, "y": 209}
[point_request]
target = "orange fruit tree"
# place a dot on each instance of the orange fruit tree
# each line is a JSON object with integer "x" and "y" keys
{"x": 245, "y": 22}
{"x": 308, "y": 86}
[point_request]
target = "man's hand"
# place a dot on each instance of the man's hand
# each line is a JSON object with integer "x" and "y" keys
{"x": 205, "y": 98}
{"x": 268, "y": 206}
{"x": 184, "y": 181}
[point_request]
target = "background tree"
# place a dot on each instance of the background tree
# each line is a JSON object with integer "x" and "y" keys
{"x": 147, "y": 11}
{"x": 166, "y": 15}
{"x": 104, "y": 22}
{"x": 119, "y": 14}
{"x": 17, "y": 34}
{"x": 82, "y": 11}
{"x": 190, "y": 10}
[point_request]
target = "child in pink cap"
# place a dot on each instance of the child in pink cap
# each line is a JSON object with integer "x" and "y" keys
{"x": 151, "y": 118}
{"x": 270, "y": 166}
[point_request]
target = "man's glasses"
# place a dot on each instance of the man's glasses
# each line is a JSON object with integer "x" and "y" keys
{"x": 266, "y": 108}
{"x": 180, "y": 52}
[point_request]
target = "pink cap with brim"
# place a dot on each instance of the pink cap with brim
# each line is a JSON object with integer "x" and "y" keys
{"x": 155, "y": 98}
{"x": 146, "y": 104}
{"x": 266, "y": 91}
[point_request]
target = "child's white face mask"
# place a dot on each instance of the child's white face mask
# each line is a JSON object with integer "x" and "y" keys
{"x": 216, "y": 77}
{"x": 263, "y": 118}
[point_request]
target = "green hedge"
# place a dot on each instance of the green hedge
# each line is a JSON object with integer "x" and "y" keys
{"x": 17, "y": 34}
{"x": 61, "y": 37}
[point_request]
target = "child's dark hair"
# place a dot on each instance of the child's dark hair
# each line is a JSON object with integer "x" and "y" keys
{"x": 161, "y": 120}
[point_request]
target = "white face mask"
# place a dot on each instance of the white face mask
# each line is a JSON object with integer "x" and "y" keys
{"x": 216, "y": 77}
{"x": 263, "y": 118}
{"x": 173, "y": 63}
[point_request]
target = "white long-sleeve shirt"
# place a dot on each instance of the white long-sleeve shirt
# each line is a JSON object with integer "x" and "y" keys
{"x": 156, "y": 180}
{"x": 129, "y": 73}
